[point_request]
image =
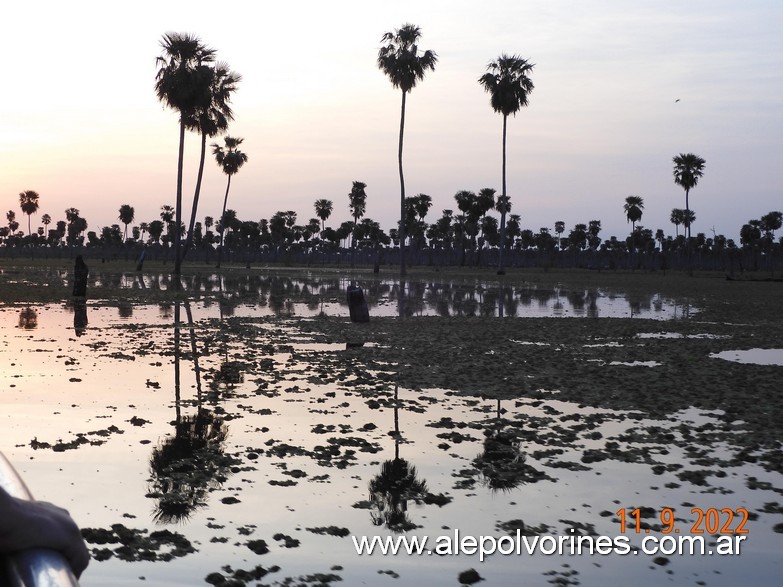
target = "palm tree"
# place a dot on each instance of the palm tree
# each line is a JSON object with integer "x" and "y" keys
{"x": 46, "y": 220}
{"x": 127, "y": 215}
{"x": 12, "y": 223}
{"x": 559, "y": 229}
{"x": 323, "y": 209}
{"x": 357, "y": 204}
{"x": 28, "y": 202}
{"x": 688, "y": 168}
{"x": 357, "y": 200}
{"x": 509, "y": 85}
{"x": 183, "y": 84}
{"x": 633, "y": 210}
{"x": 400, "y": 60}
{"x": 211, "y": 121}
{"x": 688, "y": 218}
{"x": 230, "y": 160}
{"x": 677, "y": 217}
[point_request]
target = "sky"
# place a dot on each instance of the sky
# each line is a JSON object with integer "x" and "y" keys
{"x": 81, "y": 125}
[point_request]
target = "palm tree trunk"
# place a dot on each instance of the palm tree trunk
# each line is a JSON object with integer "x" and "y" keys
{"x": 176, "y": 360}
{"x": 178, "y": 214}
{"x": 194, "y": 209}
{"x": 222, "y": 221}
{"x": 194, "y": 351}
{"x": 402, "y": 189}
{"x": 353, "y": 243}
{"x": 502, "y": 271}
{"x": 687, "y": 210}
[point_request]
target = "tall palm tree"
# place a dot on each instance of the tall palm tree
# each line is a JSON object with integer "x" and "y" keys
{"x": 688, "y": 169}
{"x": 230, "y": 160}
{"x": 28, "y": 202}
{"x": 509, "y": 85}
{"x": 127, "y": 215}
{"x": 323, "y": 209}
{"x": 400, "y": 60}
{"x": 633, "y": 210}
{"x": 357, "y": 204}
{"x": 210, "y": 121}
{"x": 183, "y": 84}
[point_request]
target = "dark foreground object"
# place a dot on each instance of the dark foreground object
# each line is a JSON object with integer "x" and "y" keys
{"x": 357, "y": 305}
{"x": 80, "y": 273}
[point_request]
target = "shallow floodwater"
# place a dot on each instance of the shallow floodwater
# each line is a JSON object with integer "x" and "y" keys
{"x": 753, "y": 356}
{"x": 310, "y": 293}
{"x": 159, "y": 418}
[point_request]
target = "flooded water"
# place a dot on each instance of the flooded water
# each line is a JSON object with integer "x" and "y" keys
{"x": 753, "y": 356}
{"x": 231, "y": 428}
{"x": 310, "y": 293}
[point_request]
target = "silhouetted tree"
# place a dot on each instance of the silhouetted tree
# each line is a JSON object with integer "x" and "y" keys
{"x": 127, "y": 215}
{"x": 210, "y": 120}
{"x": 230, "y": 160}
{"x": 323, "y": 209}
{"x": 633, "y": 210}
{"x": 28, "y": 202}
{"x": 688, "y": 169}
{"x": 357, "y": 204}
{"x": 400, "y": 60}
{"x": 183, "y": 84}
{"x": 509, "y": 85}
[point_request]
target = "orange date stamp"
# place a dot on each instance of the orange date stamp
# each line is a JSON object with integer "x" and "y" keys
{"x": 710, "y": 520}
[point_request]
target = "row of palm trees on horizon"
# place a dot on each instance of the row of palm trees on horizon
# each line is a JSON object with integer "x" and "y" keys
{"x": 192, "y": 82}
{"x": 469, "y": 228}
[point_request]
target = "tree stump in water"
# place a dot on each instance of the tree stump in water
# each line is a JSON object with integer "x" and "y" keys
{"x": 357, "y": 305}
{"x": 80, "y": 273}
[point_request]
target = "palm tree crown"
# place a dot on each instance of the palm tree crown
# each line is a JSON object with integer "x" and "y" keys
{"x": 688, "y": 169}
{"x": 230, "y": 159}
{"x": 28, "y": 202}
{"x": 127, "y": 214}
{"x": 182, "y": 80}
{"x": 508, "y": 83}
{"x": 400, "y": 60}
{"x": 323, "y": 209}
{"x": 633, "y": 209}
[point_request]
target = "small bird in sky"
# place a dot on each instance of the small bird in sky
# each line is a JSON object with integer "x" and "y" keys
{"x": 677, "y": 100}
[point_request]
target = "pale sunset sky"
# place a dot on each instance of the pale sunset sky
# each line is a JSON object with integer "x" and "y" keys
{"x": 80, "y": 123}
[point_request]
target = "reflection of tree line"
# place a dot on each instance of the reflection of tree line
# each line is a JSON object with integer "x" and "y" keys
{"x": 280, "y": 293}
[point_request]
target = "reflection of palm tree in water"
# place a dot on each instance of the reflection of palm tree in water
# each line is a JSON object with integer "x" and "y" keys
{"x": 394, "y": 486}
{"x": 79, "y": 317}
{"x": 230, "y": 372}
{"x": 28, "y": 319}
{"x": 187, "y": 466}
{"x": 501, "y": 465}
